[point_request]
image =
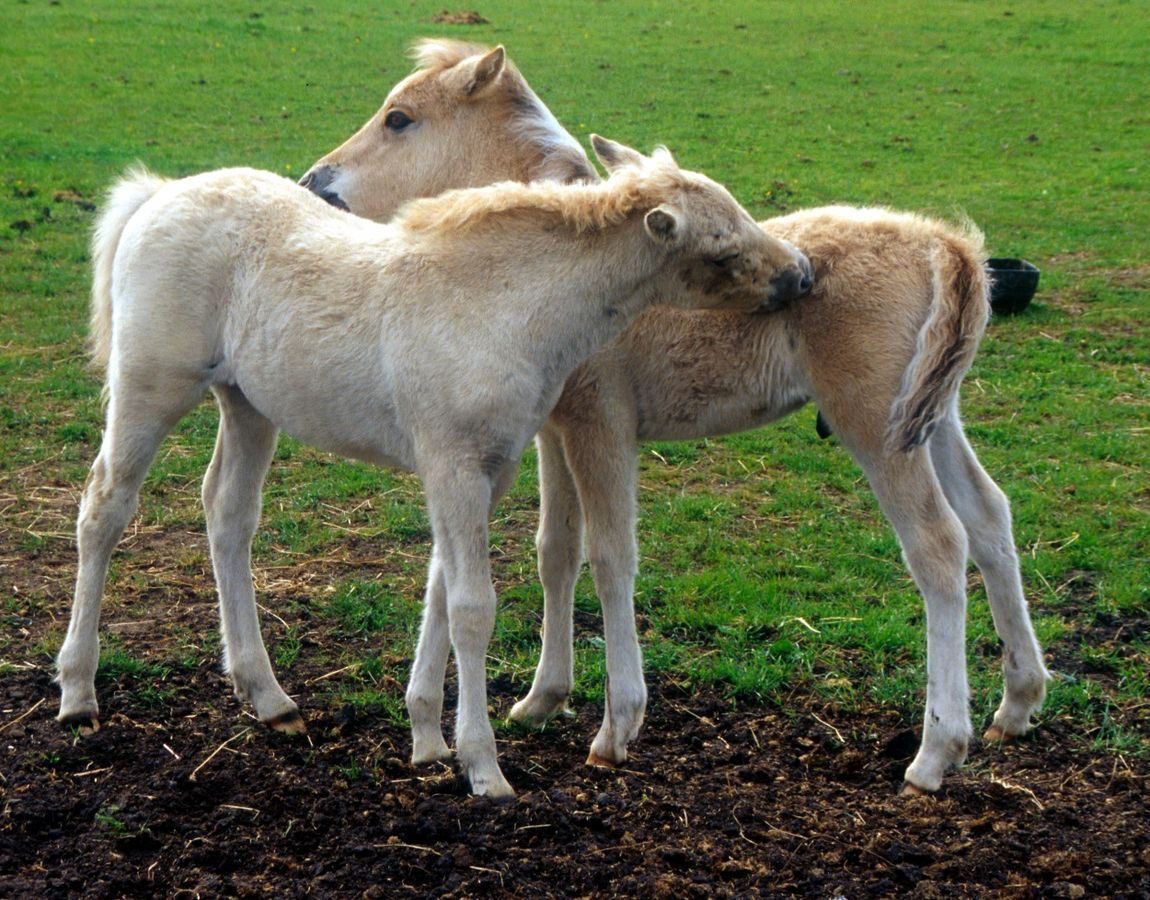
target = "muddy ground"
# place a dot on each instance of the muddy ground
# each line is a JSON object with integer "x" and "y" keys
{"x": 190, "y": 798}
{"x": 182, "y": 794}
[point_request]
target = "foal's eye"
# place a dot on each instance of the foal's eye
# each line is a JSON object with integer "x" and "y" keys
{"x": 722, "y": 262}
{"x": 397, "y": 121}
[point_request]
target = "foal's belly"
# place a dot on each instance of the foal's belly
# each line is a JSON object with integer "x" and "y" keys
{"x": 697, "y": 373}
{"x": 353, "y": 418}
{"x": 710, "y": 416}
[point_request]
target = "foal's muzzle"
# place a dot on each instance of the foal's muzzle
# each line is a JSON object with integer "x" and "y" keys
{"x": 318, "y": 180}
{"x": 791, "y": 283}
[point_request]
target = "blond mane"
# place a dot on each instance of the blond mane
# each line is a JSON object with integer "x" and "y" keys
{"x": 582, "y": 208}
{"x": 443, "y": 53}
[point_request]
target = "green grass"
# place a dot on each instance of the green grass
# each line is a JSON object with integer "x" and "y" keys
{"x": 766, "y": 565}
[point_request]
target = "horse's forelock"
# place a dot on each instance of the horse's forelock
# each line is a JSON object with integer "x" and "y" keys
{"x": 443, "y": 53}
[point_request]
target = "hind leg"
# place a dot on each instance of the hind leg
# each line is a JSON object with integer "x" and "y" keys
{"x": 137, "y": 421}
{"x": 232, "y": 489}
{"x": 424, "y": 697}
{"x": 985, "y": 513}
{"x": 934, "y": 546}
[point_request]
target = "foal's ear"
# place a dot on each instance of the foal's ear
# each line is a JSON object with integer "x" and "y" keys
{"x": 479, "y": 73}
{"x": 614, "y": 155}
{"x": 662, "y": 224}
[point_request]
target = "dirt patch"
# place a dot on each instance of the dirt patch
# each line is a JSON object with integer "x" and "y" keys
{"x": 715, "y": 802}
{"x": 467, "y": 17}
{"x": 188, "y": 797}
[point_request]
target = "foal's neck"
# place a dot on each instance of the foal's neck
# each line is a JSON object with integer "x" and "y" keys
{"x": 609, "y": 278}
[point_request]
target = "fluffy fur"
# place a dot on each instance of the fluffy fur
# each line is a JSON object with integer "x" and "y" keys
{"x": 437, "y": 344}
{"x": 880, "y": 345}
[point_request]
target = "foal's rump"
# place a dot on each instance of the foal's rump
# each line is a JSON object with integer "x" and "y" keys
{"x": 910, "y": 305}
{"x": 124, "y": 200}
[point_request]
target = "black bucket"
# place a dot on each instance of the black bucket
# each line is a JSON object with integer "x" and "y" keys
{"x": 1013, "y": 284}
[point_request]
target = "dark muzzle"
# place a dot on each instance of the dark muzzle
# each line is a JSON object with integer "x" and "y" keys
{"x": 318, "y": 180}
{"x": 791, "y": 283}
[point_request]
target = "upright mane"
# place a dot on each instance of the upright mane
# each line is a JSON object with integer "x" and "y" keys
{"x": 443, "y": 53}
{"x": 561, "y": 158}
{"x": 580, "y": 207}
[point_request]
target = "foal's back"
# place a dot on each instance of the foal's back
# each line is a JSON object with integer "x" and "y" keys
{"x": 222, "y": 232}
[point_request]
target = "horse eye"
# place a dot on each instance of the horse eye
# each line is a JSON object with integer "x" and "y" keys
{"x": 721, "y": 262}
{"x": 397, "y": 121}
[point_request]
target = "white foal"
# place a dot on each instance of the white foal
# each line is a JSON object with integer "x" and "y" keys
{"x": 437, "y": 343}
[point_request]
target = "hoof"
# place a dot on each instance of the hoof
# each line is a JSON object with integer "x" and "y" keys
{"x": 86, "y": 725}
{"x": 594, "y": 759}
{"x": 994, "y": 733}
{"x": 912, "y": 790}
{"x": 493, "y": 788}
{"x": 537, "y": 713}
{"x": 437, "y": 754}
{"x": 289, "y": 723}
{"x": 503, "y": 793}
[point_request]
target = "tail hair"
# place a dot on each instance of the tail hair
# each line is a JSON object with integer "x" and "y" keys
{"x": 124, "y": 198}
{"x": 947, "y": 341}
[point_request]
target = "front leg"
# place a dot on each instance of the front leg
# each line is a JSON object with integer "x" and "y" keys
{"x": 559, "y": 548}
{"x": 602, "y": 460}
{"x": 458, "y": 503}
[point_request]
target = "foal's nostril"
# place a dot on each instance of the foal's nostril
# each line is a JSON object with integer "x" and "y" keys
{"x": 805, "y": 282}
{"x": 311, "y": 180}
{"x": 318, "y": 181}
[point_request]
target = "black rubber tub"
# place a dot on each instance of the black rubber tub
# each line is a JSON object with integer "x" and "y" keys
{"x": 1014, "y": 282}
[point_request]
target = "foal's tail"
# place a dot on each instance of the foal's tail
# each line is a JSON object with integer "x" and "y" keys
{"x": 947, "y": 341}
{"x": 125, "y": 197}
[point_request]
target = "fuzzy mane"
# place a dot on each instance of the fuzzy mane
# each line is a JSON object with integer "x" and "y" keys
{"x": 443, "y": 53}
{"x": 581, "y": 207}
{"x": 561, "y": 158}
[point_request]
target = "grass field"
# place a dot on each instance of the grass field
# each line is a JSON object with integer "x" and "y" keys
{"x": 766, "y": 565}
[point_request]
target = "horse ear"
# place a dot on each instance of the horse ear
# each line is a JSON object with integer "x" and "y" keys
{"x": 484, "y": 70}
{"x": 664, "y": 154}
{"x": 662, "y": 225}
{"x": 614, "y": 155}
